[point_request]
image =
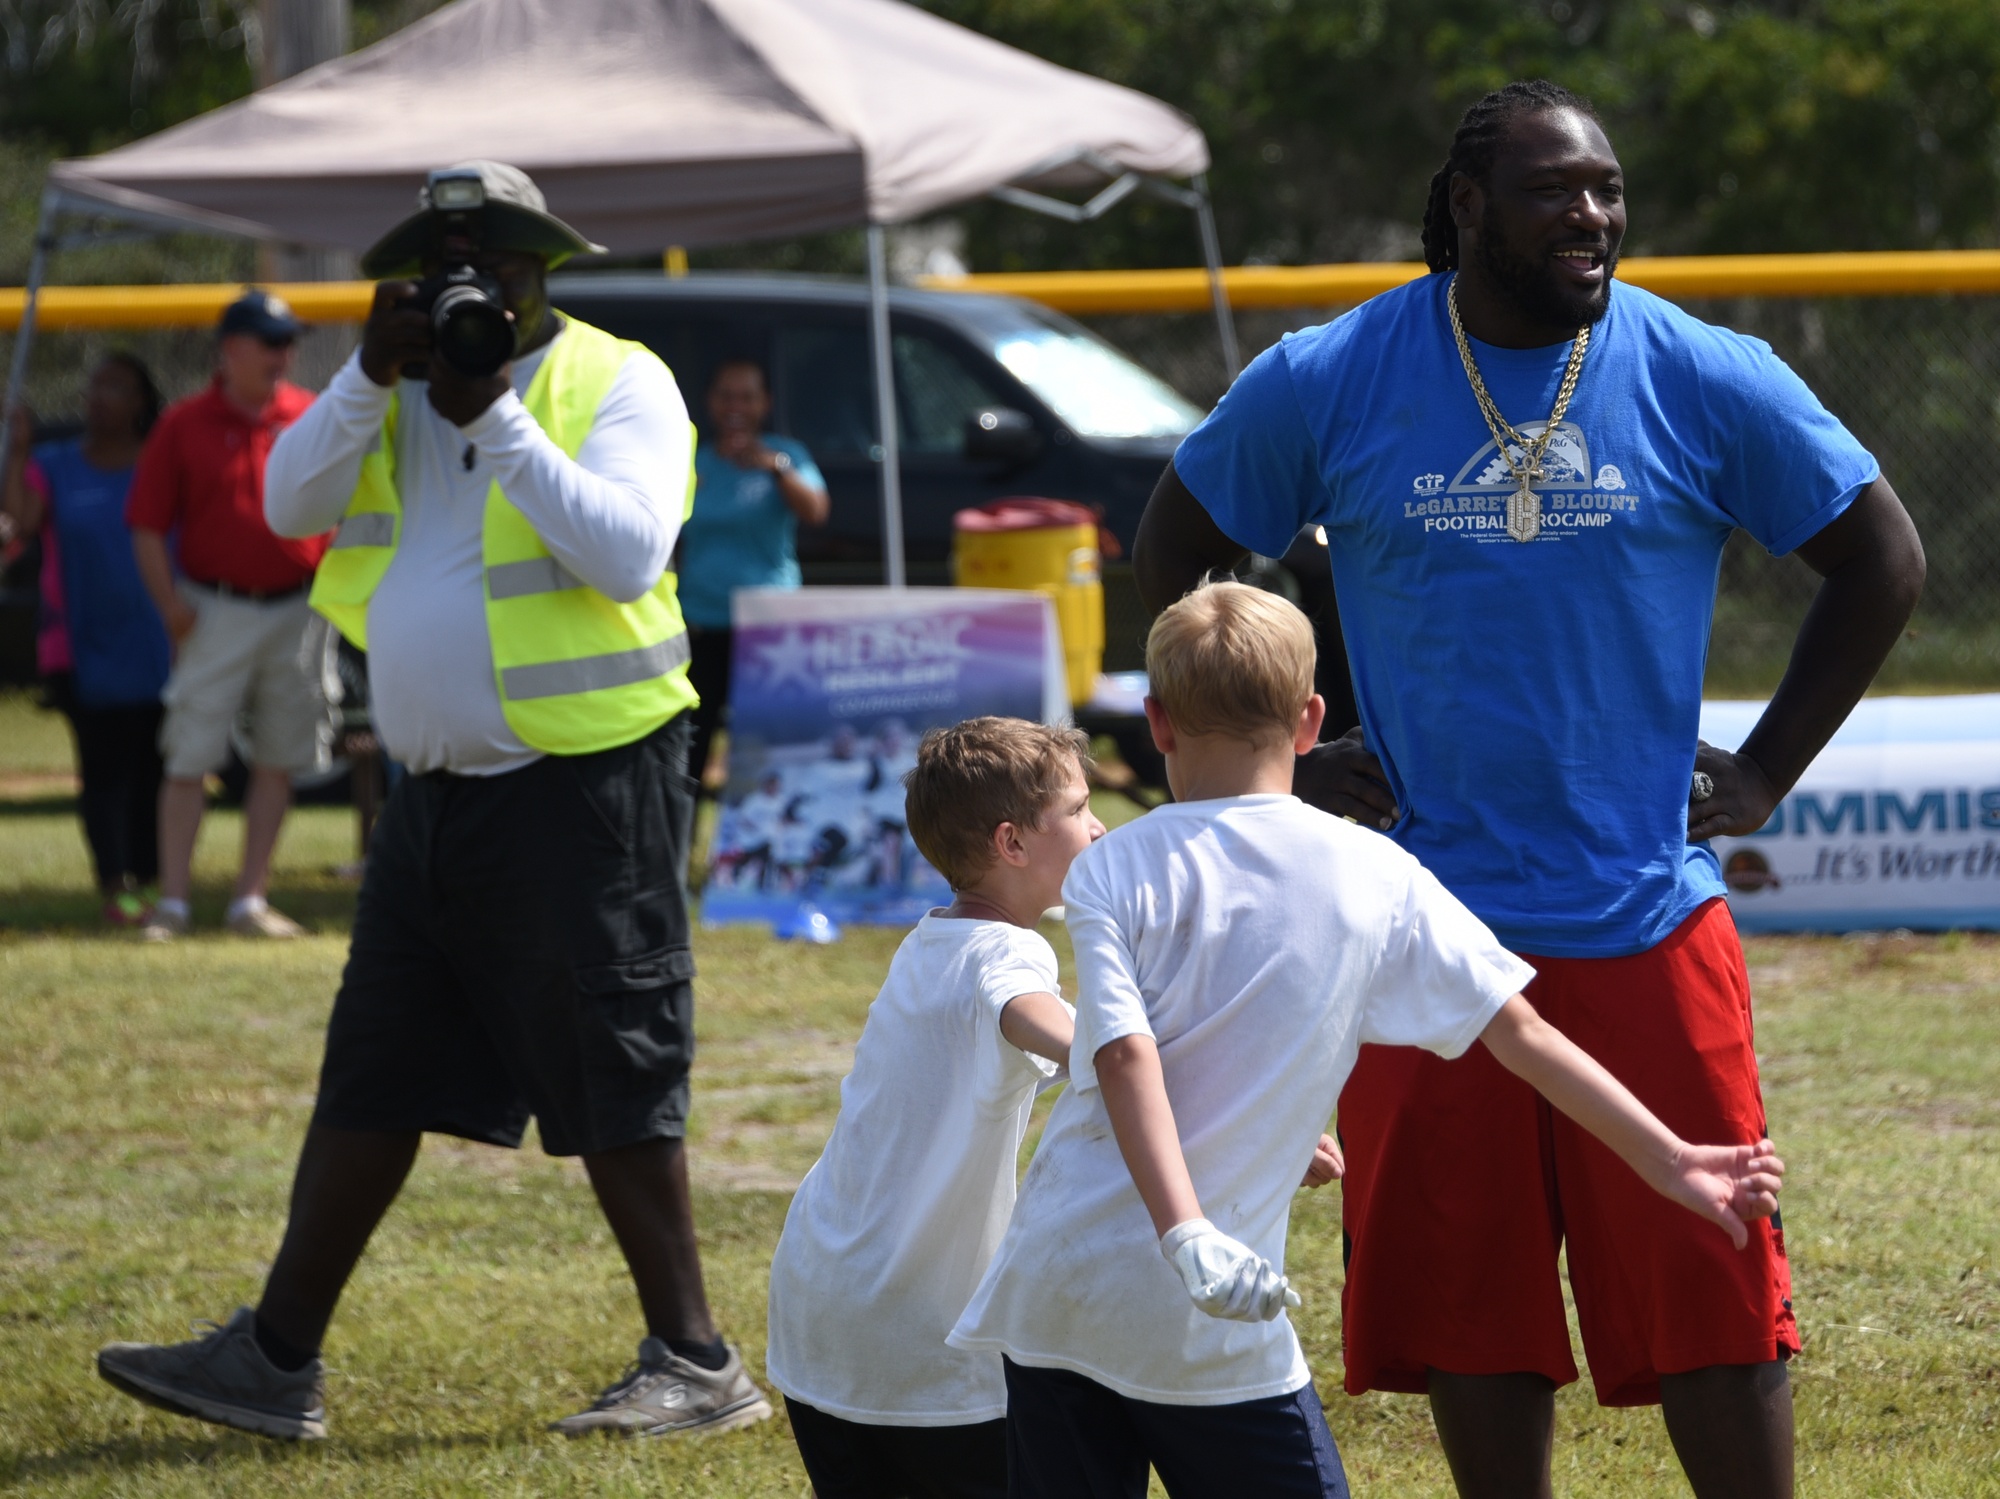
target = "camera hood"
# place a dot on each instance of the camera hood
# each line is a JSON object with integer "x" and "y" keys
{"x": 512, "y": 215}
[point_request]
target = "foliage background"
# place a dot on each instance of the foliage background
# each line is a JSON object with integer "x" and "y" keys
{"x": 1757, "y": 126}
{"x": 1780, "y": 125}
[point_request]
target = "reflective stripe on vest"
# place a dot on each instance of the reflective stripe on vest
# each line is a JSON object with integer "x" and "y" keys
{"x": 591, "y": 673}
{"x": 516, "y": 580}
{"x": 372, "y": 530}
{"x": 576, "y": 671}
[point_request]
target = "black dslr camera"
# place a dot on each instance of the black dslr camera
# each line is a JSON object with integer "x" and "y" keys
{"x": 470, "y": 329}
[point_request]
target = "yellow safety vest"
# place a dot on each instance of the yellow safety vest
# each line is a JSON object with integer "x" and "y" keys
{"x": 577, "y": 671}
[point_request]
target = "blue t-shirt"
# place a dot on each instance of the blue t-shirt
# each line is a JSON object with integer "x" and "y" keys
{"x": 1535, "y": 705}
{"x": 741, "y": 534}
{"x": 117, "y": 643}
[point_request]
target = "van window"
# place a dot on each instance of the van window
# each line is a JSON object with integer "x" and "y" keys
{"x": 692, "y": 342}
{"x": 1092, "y": 386}
{"x": 825, "y": 388}
{"x": 937, "y": 391}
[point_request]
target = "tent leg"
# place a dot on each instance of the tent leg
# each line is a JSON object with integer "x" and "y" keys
{"x": 885, "y": 409}
{"x": 1211, "y": 254}
{"x": 24, "y": 335}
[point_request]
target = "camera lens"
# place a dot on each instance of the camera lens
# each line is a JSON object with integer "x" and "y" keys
{"x": 471, "y": 331}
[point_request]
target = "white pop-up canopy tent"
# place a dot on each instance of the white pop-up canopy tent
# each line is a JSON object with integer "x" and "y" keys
{"x": 651, "y": 123}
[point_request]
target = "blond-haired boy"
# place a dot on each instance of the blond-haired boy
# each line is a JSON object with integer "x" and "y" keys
{"x": 1234, "y": 951}
{"x": 891, "y": 1230}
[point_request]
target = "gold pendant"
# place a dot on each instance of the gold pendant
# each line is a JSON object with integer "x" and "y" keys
{"x": 1524, "y": 509}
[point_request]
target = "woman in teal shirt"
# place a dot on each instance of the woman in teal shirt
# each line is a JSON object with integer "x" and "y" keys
{"x": 751, "y": 491}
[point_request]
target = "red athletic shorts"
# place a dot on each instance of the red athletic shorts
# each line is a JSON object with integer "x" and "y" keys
{"x": 1462, "y": 1185}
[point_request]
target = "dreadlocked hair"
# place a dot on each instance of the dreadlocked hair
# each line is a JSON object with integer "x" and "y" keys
{"x": 1481, "y": 130}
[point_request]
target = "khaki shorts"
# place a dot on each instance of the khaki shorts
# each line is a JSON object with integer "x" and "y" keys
{"x": 270, "y": 665}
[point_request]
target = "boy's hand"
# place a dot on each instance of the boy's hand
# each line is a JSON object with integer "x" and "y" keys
{"x": 1225, "y": 1278}
{"x": 1327, "y": 1163}
{"x": 1727, "y": 1184}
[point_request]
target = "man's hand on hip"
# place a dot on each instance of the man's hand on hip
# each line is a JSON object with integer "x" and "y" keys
{"x": 395, "y": 334}
{"x": 1740, "y": 796}
{"x": 1343, "y": 778}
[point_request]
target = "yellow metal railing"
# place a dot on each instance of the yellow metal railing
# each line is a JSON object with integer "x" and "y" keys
{"x": 1881, "y": 274}
{"x": 179, "y": 306}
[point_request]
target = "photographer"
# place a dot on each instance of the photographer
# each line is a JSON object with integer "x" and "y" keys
{"x": 506, "y": 511}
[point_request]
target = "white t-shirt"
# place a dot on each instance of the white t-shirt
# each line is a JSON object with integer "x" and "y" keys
{"x": 891, "y": 1230}
{"x": 610, "y": 516}
{"x": 1260, "y": 943}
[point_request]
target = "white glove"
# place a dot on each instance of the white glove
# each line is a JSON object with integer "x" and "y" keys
{"x": 1225, "y": 1278}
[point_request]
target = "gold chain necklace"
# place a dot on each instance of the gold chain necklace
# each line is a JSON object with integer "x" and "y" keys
{"x": 1524, "y": 508}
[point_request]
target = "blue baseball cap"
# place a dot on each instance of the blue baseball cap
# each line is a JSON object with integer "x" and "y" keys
{"x": 259, "y": 313}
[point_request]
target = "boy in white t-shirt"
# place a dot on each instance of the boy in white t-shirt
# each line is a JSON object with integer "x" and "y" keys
{"x": 1234, "y": 951}
{"x": 891, "y": 1230}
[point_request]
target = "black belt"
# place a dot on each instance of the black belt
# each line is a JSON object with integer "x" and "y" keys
{"x": 252, "y": 595}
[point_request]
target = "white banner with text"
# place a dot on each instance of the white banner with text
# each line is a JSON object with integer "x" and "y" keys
{"x": 1896, "y": 824}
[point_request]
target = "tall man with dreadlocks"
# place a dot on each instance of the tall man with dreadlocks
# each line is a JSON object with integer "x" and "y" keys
{"x": 1526, "y": 474}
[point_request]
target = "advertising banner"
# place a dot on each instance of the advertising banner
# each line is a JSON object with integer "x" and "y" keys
{"x": 831, "y": 688}
{"x": 1896, "y": 824}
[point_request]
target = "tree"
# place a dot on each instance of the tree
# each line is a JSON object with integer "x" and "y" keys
{"x": 1788, "y": 124}
{"x": 1778, "y": 124}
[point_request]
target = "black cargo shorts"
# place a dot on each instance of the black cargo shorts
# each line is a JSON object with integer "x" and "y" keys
{"x": 521, "y": 948}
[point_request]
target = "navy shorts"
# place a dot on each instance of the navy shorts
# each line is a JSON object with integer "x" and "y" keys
{"x": 1068, "y": 1437}
{"x": 521, "y": 950}
{"x": 847, "y": 1460}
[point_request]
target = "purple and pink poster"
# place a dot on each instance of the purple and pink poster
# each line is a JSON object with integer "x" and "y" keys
{"x": 831, "y": 690}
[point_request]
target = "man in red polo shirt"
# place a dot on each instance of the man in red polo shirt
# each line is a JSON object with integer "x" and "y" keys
{"x": 243, "y": 637}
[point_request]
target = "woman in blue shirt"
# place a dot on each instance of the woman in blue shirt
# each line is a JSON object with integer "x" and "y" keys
{"x": 752, "y": 489}
{"x": 118, "y": 647}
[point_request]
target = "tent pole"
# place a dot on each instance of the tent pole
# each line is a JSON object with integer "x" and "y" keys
{"x": 24, "y": 334}
{"x": 1211, "y": 253}
{"x": 885, "y": 409}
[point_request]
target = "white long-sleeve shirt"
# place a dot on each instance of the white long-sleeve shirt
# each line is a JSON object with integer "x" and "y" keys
{"x": 610, "y": 516}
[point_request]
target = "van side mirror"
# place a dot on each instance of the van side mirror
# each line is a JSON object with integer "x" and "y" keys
{"x": 1000, "y": 434}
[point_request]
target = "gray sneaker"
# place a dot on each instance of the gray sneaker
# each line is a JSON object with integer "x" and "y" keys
{"x": 163, "y": 926}
{"x": 264, "y": 921}
{"x": 222, "y": 1377}
{"x": 663, "y": 1393}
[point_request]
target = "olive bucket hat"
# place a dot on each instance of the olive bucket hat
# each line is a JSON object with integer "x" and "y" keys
{"x": 496, "y": 205}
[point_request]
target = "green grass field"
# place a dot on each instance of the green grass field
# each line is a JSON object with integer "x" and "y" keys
{"x": 151, "y": 1101}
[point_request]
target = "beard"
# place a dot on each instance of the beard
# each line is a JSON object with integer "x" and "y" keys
{"x": 1535, "y": 286}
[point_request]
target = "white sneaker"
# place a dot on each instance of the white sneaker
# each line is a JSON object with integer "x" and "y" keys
{"x": 261, "y": 920}
{"x": 163, "y": 925}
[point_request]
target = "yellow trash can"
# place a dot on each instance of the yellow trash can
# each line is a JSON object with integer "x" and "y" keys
{"x": 1048, "y": 546}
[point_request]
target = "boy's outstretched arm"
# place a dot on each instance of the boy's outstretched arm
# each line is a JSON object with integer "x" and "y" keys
{"x": 1223, "y": 1277}
{"x": 1725, "y": 1184}
{"x": 1135, "y": 1096}
{"x": 1038, "y": 1023}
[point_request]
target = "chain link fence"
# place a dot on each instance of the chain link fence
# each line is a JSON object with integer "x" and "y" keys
{"x": 1917, "y": 379}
